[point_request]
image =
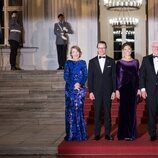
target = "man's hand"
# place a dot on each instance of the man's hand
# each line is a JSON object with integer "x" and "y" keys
{"x": 113, "y": 96}
{"x": 77, "y": 86}
{"x": 65, "y": 29}
{"x": 91, "y": 96}
{"x": 144, "y": 94}
{"x": 63, "y": 36}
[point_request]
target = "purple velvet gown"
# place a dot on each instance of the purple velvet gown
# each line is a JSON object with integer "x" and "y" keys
{"x": 127, "y": 83}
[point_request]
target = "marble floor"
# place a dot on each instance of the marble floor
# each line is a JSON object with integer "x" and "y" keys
{"x": 30, "y": 140}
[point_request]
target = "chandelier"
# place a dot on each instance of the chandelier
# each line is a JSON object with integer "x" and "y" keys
{"x": 123, "y": 4}
{"x": 124, "y": 20}
{"x": 123, "y": 7}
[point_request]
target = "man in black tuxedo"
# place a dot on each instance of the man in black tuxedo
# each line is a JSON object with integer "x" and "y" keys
{"x": 102, "y": 85}
{"x": 149, "y": 87}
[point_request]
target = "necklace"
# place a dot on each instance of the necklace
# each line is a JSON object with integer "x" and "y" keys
{"x": 127, "y": 58}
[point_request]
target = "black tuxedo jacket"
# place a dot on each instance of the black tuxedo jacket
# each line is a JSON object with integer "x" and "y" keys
{"x": 102, "y": 83}
{"x": 148, "y": 77}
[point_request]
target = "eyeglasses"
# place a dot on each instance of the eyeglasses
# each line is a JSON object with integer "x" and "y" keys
{"x": 101, "y": 47}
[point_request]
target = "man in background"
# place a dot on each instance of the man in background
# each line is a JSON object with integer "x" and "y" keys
{"x": 0, "y": 33}
{"x": 61, "y": 30}
{"x": 15, "y": 36}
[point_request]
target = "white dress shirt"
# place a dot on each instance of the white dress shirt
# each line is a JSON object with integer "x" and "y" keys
{"x": 155, "y": 60}
{"x": 102, "y": 62}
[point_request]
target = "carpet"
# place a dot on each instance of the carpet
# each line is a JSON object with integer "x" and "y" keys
{"x": 141, "y": 147}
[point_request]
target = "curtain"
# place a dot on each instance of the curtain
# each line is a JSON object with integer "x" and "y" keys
{"x": 39, "y": 19}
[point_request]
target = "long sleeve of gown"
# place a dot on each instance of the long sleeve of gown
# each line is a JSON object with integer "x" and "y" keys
{"x": 84, "y": 74}
{"x": 67, "y": 73}
{"x": 118, "y": 76}
{"x": 137, "y": 79}
{"x": 90, "y": 77}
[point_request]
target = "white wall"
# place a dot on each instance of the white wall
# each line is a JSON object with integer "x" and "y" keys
{"x": 106, "y": 30}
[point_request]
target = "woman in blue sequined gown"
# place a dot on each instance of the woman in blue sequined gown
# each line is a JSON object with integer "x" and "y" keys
{"x": 127, "y": 70}
{"x": 75, "y": 75}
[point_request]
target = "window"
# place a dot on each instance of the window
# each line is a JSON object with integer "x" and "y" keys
{"x": 6, "y": 7}
{"x": 130, "y": 33}
{"x": 120, "y": 36}
{"x": 15, "y": 3}
{"x": 117, "y": 34}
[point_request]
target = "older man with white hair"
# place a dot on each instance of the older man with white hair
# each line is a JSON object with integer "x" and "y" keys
{"x": 149, "y": 87}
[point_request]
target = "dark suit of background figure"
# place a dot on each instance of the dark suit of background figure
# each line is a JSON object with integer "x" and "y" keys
{"x": 102, "y": 85}
{"x": 149, "y": 81}
{"x": 15, "y": 36}
{"x": 0, "y": 33}
{"x": 61, "y": 30}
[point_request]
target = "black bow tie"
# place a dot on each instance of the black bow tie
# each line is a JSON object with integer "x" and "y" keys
{"x": 155, "y": 56}
{"x": 102, "y": 57}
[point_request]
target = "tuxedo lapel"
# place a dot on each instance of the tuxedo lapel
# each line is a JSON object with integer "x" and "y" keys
{"x": 152, "y": 63}
{"x": 97, "y": 64}
{"x": 106, "y": 64}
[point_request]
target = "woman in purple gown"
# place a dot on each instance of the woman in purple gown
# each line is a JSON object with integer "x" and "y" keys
{"x": 127, "y": 70}
{"x": 75, "y": 75}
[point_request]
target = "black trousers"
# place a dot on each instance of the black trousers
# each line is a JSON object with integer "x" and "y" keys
{"x": 62, "y": 54}
{"x": 152, "y": 108}
{"x": 102, "y": 103}
{"x": 14, "y": 48}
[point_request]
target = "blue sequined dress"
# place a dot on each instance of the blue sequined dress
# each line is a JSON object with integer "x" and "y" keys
{"x": 75, "y": 72}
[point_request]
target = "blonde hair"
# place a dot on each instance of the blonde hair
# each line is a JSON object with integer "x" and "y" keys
{"x": 77, "y": 48}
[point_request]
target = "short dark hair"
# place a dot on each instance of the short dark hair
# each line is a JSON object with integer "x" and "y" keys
{"x": 102, "y": 42}
{"x": 60, "y": 15}
{"x": 126, "y": 44}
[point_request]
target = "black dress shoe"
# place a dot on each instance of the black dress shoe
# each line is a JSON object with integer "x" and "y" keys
{"x": 97, "y": 137}
{"x": 13, "y": 68}
{"x": 60, "y": 68}
{"x": 153, "y": 138}
{"x": 109, "y": 137}
{"x": 129, "y": 139}
{"x": 18, "y": 68}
